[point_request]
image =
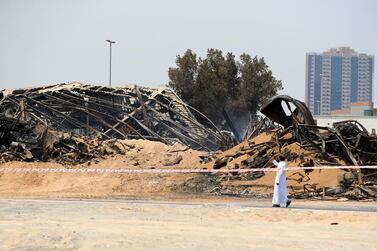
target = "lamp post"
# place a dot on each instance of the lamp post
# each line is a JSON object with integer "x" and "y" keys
{"x": 110, "y": 43}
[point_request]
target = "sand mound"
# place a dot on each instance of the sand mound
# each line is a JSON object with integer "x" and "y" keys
{"x": 145, "y": 155}
{"x": 155, "y": 155}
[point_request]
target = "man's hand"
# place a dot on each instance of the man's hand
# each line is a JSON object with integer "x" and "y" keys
{"x": 277, "y": 183}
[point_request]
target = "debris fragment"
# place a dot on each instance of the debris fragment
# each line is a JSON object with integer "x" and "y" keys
{"x": 219, "y": 163}
{"x": 175, "y": 161}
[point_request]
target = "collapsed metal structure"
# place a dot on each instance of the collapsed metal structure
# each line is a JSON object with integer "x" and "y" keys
{"x": 346, "y": 138}
{"x": 34, "y": 122}
{"x": 132, "y": 113}
{"x": 297, "y": 112}
{"x": 25, "y": 141}
{"x": 346, "y": 143}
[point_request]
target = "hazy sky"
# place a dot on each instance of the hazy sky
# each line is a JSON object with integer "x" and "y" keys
{"x": 47, "y": 41}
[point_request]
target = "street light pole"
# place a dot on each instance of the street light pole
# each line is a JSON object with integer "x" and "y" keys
{"x": 110, "y": 43}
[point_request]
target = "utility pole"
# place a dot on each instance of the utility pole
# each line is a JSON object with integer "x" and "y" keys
{"x": 110, "y": 43}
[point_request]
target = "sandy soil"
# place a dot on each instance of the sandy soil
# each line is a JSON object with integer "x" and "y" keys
{"x": 153, "y": 225}
{"x": 145, "y": 155}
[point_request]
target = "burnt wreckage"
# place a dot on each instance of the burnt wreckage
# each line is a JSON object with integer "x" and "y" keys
{"x": 348, "y": 139}
{"x": 133, "y": 113}
{"x": 295, "y": 135}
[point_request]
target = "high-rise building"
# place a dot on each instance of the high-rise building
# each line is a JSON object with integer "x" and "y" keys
{"x": 337, "y": 78}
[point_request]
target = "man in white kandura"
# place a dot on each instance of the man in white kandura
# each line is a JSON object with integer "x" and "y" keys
{"x": 280, "y": 186}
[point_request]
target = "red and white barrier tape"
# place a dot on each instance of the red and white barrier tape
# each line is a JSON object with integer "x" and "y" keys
{"x": 125, "y": 170}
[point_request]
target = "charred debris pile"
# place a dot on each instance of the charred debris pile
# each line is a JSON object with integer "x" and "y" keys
{"x": 74, "y": 123}
{"x": 295, "y": 134}
{"x": 100, "y": 113}
{"x": 26, "y": 141}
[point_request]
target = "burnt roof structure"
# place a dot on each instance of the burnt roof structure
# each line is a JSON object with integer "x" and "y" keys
{"x": 298, "y": 111}
{"x": 135, "y": 113}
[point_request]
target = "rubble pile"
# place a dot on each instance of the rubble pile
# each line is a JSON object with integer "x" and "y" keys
{"x": 35, "y": 142}
{"x": 74, "y": 123}
{"x": 304, "y": 144}
{"x": 124, "y": 113}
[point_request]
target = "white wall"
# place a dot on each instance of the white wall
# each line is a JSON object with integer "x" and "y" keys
{"x": 368, "y": 122}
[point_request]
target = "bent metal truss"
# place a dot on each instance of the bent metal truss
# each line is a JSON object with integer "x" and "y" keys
{"x": 127, "y": 112}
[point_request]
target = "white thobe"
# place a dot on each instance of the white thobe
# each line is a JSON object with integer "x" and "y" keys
{"x": 280, "y": 191}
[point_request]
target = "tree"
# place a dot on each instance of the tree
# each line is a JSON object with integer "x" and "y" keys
{"x": 257, "y": 82}
{"x": 184, "y": 76}
{"x": 222, "y": 88}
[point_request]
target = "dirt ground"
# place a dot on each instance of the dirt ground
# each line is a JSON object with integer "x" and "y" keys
{"x": 145, "y": 155}
{"x": 188, "y": 217}
{"x": 200, "y": 224}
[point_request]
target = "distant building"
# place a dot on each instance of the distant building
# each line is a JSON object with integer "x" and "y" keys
{"x": 357, "y": 109}
{"x": 337, "y": 78}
